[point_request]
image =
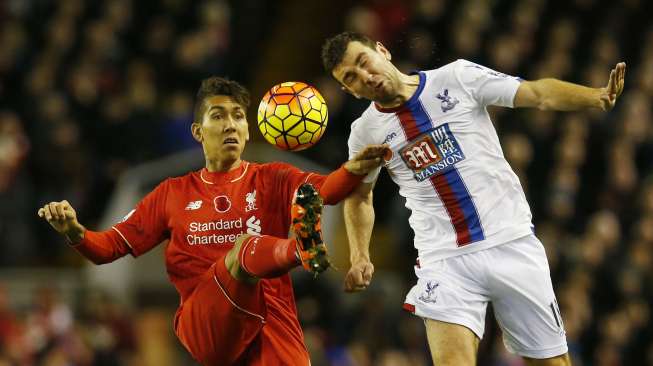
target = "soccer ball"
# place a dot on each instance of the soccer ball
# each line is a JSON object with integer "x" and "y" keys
{"x": 292, "y": 116}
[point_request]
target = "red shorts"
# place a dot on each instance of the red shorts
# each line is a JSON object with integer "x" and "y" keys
{"x": 226, "y": 322}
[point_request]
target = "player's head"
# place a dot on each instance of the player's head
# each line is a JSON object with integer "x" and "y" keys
{"x": 362, "y": 66}
{"x": 219, "y": 120}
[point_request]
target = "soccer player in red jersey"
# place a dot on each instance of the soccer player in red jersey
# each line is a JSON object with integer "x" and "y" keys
{"x": 228, "y": 254}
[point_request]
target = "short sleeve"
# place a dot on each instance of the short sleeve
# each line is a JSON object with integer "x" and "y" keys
{"x": 357, "y": 143}
{"x": 486, "y": 86}
{"x": 145, "y": 226}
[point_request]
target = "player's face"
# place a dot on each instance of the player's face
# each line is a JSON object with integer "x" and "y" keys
{"x": 368, "y": 73}
{"x": 223, "y": 131}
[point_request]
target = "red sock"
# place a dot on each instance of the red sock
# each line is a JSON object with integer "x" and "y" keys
{"x": 267, "y": 256}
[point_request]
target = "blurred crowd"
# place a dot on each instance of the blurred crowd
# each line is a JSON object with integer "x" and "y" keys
{"x": 93, "y": 330}
{"x": 89, "y": 89}
{"x": 47, "y": 333}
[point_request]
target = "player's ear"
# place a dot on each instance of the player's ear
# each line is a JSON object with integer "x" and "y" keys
{"x": 196, "y": 131}
{"x": 380, "y": 48}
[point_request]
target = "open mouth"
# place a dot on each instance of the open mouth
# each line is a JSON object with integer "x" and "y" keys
{"x": 230, "y": 141}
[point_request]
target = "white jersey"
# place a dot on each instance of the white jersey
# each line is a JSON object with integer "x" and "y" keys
{"x": 448, "y": 162}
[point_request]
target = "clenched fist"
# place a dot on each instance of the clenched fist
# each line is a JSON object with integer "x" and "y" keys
{"x": 63, "y": 218}
{"x": 359, "y": 276}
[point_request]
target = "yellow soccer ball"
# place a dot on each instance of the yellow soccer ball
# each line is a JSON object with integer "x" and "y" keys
{"x": 292, "y": 116}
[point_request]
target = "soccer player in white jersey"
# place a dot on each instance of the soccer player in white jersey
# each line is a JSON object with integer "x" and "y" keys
{"x": 472, "y": 224}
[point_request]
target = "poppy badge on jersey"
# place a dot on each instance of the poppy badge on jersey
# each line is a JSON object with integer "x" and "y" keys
{"x": 222, "y": 204}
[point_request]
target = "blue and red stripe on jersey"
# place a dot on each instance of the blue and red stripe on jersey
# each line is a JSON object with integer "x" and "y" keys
{"x": 449, "y": 185}
{"x": 412, "y": 115}
{"x": 459, "y": 205}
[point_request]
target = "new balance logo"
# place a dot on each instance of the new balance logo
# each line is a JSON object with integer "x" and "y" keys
{"x": 194, "y": 205}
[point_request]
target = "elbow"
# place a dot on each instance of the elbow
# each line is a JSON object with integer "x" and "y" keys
{"x": 546, "y": 105}
{"x": 535, "y": 94}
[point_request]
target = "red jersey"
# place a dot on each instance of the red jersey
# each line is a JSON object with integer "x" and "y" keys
{"x": 202, "y": 214}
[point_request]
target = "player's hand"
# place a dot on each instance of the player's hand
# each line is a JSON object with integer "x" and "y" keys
{"x": 63, "y": 218}
{"x": 615, "y": 87}
{"x": 370, "y": 158}
{"x": 359, "y": 276}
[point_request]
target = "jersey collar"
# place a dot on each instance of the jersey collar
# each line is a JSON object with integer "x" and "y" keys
{"x": 413, "y": 98}
{"x": 224, "y": 177}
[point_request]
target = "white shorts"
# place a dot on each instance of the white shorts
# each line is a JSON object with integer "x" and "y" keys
{"x": 514, "y": 277}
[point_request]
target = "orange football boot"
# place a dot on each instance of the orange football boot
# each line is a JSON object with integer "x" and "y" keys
{"x": 305, "y": 214}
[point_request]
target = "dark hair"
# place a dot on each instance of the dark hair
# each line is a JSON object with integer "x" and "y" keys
{"x": 216, "y": 85}
{"x": 334, "y": 48}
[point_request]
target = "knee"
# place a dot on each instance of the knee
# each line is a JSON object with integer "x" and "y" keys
{"x": 451, "y": 344}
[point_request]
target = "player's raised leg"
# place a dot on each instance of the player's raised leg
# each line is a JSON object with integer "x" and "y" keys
{"x": 222, "y": 318}
{"x": 265, "y": 256}
{"x": 451, "y": 344}
{"x": 231, "y": 296}
{"x": 254, "y": 257}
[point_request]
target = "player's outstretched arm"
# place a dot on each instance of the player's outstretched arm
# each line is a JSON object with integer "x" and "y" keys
{"x": 557, "y": 95}
{"x": 359, "y": 221}
{"x": 98, "y": 247}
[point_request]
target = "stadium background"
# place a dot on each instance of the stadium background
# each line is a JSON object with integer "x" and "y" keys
{"x": 91, "y": 91}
